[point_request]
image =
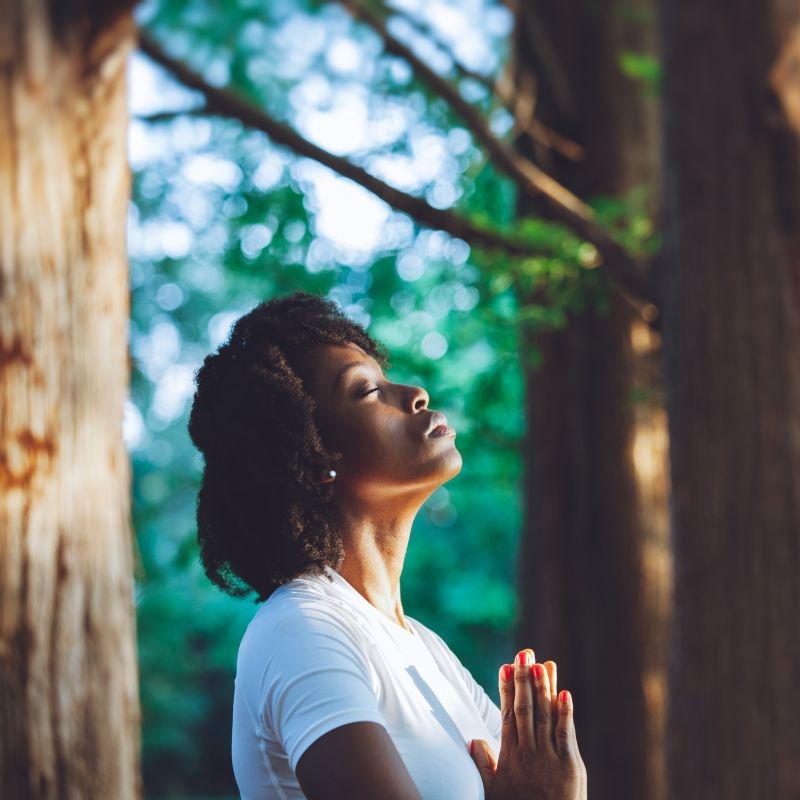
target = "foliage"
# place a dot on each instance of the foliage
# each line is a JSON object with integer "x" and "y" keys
{"x": 222, "y": 219}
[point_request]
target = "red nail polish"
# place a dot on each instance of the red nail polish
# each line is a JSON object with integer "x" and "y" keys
{"x": 538, "y": 671}
{"x": 471, "y": 746}
{"x": 522, "y": 657}
{"x": 562, "y": 697}
{"x": 508, "y": 672}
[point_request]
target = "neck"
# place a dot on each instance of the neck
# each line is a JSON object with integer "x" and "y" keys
{"x": 374, "y": 552}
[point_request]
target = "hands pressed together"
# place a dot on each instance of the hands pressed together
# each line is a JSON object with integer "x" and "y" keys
{"x": 539, "y": 757}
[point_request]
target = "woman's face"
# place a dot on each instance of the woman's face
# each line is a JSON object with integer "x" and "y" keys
{"x": 381, "y": 428}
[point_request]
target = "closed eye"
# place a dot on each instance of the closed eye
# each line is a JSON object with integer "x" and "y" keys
{"x": 370, "y": 391}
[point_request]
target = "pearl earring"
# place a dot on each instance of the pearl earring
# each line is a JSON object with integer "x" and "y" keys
{"x": 330, "y": 476}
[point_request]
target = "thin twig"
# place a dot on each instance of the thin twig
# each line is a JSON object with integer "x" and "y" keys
{"x": 563, "y": 204}
{"x": 226, "y": 103}
{"x": 526, "y": 122}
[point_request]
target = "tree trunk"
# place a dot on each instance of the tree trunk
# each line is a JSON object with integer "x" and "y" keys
{"x": 732, "y": 346}
{"x": 69, "y": 717}
{"x": 582, "y": 599}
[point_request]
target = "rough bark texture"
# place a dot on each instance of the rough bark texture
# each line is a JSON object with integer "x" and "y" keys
{"x": 68, "y": 678}
{"x": 732, "y": 343}
{"x": 581, "y": 560}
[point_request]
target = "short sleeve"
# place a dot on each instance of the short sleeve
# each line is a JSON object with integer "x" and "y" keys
{"x": 317, "y": 678}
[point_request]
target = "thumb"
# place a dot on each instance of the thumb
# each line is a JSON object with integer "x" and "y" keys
{"x": 485, "y": 762}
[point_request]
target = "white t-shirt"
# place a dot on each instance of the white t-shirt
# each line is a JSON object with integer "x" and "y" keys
{"x": 318, "y": 655}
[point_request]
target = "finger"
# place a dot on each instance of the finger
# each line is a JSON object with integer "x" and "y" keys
{"x": 484, "y": 760}
{"x": 552, "y": 674}
{"x": 566, "y": 742}
{"x": 508, "y": 728}
{"x": 523, "y": 701}
{"x": 542, "y": 709}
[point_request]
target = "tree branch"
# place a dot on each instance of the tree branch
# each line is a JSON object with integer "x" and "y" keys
{"x": 225, "y": 103}
{"x": 526, "y": 122}
{"x": 564, "y": 206}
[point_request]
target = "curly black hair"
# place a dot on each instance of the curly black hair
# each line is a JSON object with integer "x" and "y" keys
{"x": 263, "y": 516}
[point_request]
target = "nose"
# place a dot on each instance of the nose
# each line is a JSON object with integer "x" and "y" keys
{"x": 419, "y": 398}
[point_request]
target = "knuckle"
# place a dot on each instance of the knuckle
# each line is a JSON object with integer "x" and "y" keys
{"x": 522, "y": 708}
{"x": 508, "y": 714}
{"x": 541, "y": 717}
{"x": 562, "y": 734}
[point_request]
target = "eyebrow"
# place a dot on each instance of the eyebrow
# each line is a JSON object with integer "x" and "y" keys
{"x": 344, "y": 369}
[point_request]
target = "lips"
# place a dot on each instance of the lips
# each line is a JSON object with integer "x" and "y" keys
{"x": 438, "y": 425}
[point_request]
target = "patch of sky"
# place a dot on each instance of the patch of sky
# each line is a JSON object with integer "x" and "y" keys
{"x": 341, "y": 295}
{"x": 219, "y": 326}
{"x": 403, "y": 302}
{"x": 218, "y": 72}
{"x": 422, "y": 46}
{"x": 173, "y": 388}
{"x": 157, "y": 349}
{"x": 359, "y": 280}
{"x": 151, "y": 92}
{"x": 134, "y": 431}
{"x": 346, "y": 213}
{"x": 433, "y": 345}
{"x": 213, "y": 240}
{"x": 297, "y": 43}
{"x": 170, "y": 296}
{"x": 357, "y": 313}
{"x": 269, "y": 172}
{"x": 501, "y": 121}
{"x": 234, "y": 206}
{"x": 193, "y": 205}
{"x": 253, "y": 239}
{"x": 253, "y": 34}
{"x": 471, "y": 90}
{"x": 466, "y": 298}
{"x": 204, "y": 169}
{"x": 344, "y": 57}
{"x": 421, "y": 320}
{"x": 456, "y": 251}
{"x": 440, "y": 298}
{"x": 443, "y": 194}
{"x": 294, "y": 231}
{"x": 459, "y": 141}
{"x": 319, "y": 255}
{"x": 341, "y": 128}
{"x": 400, "y": 70}
{"x": 159, "y": 238}
{"x": 410, "y": 267}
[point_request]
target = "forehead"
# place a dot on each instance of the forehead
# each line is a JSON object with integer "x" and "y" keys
{"x": 326, "y": 364}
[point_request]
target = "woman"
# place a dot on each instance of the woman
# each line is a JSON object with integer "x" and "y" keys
{"x": 315, "y": 466}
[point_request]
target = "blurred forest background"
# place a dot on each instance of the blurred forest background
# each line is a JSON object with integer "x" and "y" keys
{"x": 563, "y": 219}
{"x": 223, "y": 217}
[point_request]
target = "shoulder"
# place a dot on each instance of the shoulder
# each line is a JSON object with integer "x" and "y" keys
{"x": 306, "y": 612}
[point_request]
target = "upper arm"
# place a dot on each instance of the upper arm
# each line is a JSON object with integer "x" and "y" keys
{"x": 355, "y": 761}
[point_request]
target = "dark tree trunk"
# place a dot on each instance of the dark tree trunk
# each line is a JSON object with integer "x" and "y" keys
{"x": 732, "y": 342}
{"x": 69, "y": 713}
{"x": 580, "y": 568}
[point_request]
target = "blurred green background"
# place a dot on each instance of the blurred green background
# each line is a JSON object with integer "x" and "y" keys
{"x": 222, "y": 219}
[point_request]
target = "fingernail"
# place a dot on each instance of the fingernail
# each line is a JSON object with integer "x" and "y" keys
{"x": 538, "y": 671}
{"x": 522, "y": 658}
{"x": 562, "y": 696}
{"x": 508, "y": 672}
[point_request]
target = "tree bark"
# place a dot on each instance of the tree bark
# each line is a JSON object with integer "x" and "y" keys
{"x": 582, "y": 598}
{"x": 732, "y": 344}
{"x": 69, "y": 716}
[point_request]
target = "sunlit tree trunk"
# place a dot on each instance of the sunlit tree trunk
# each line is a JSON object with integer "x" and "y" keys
{"x": 68, "y": 681}
{"x": 732, "y": 346}
{"x": 583, "y": 602}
